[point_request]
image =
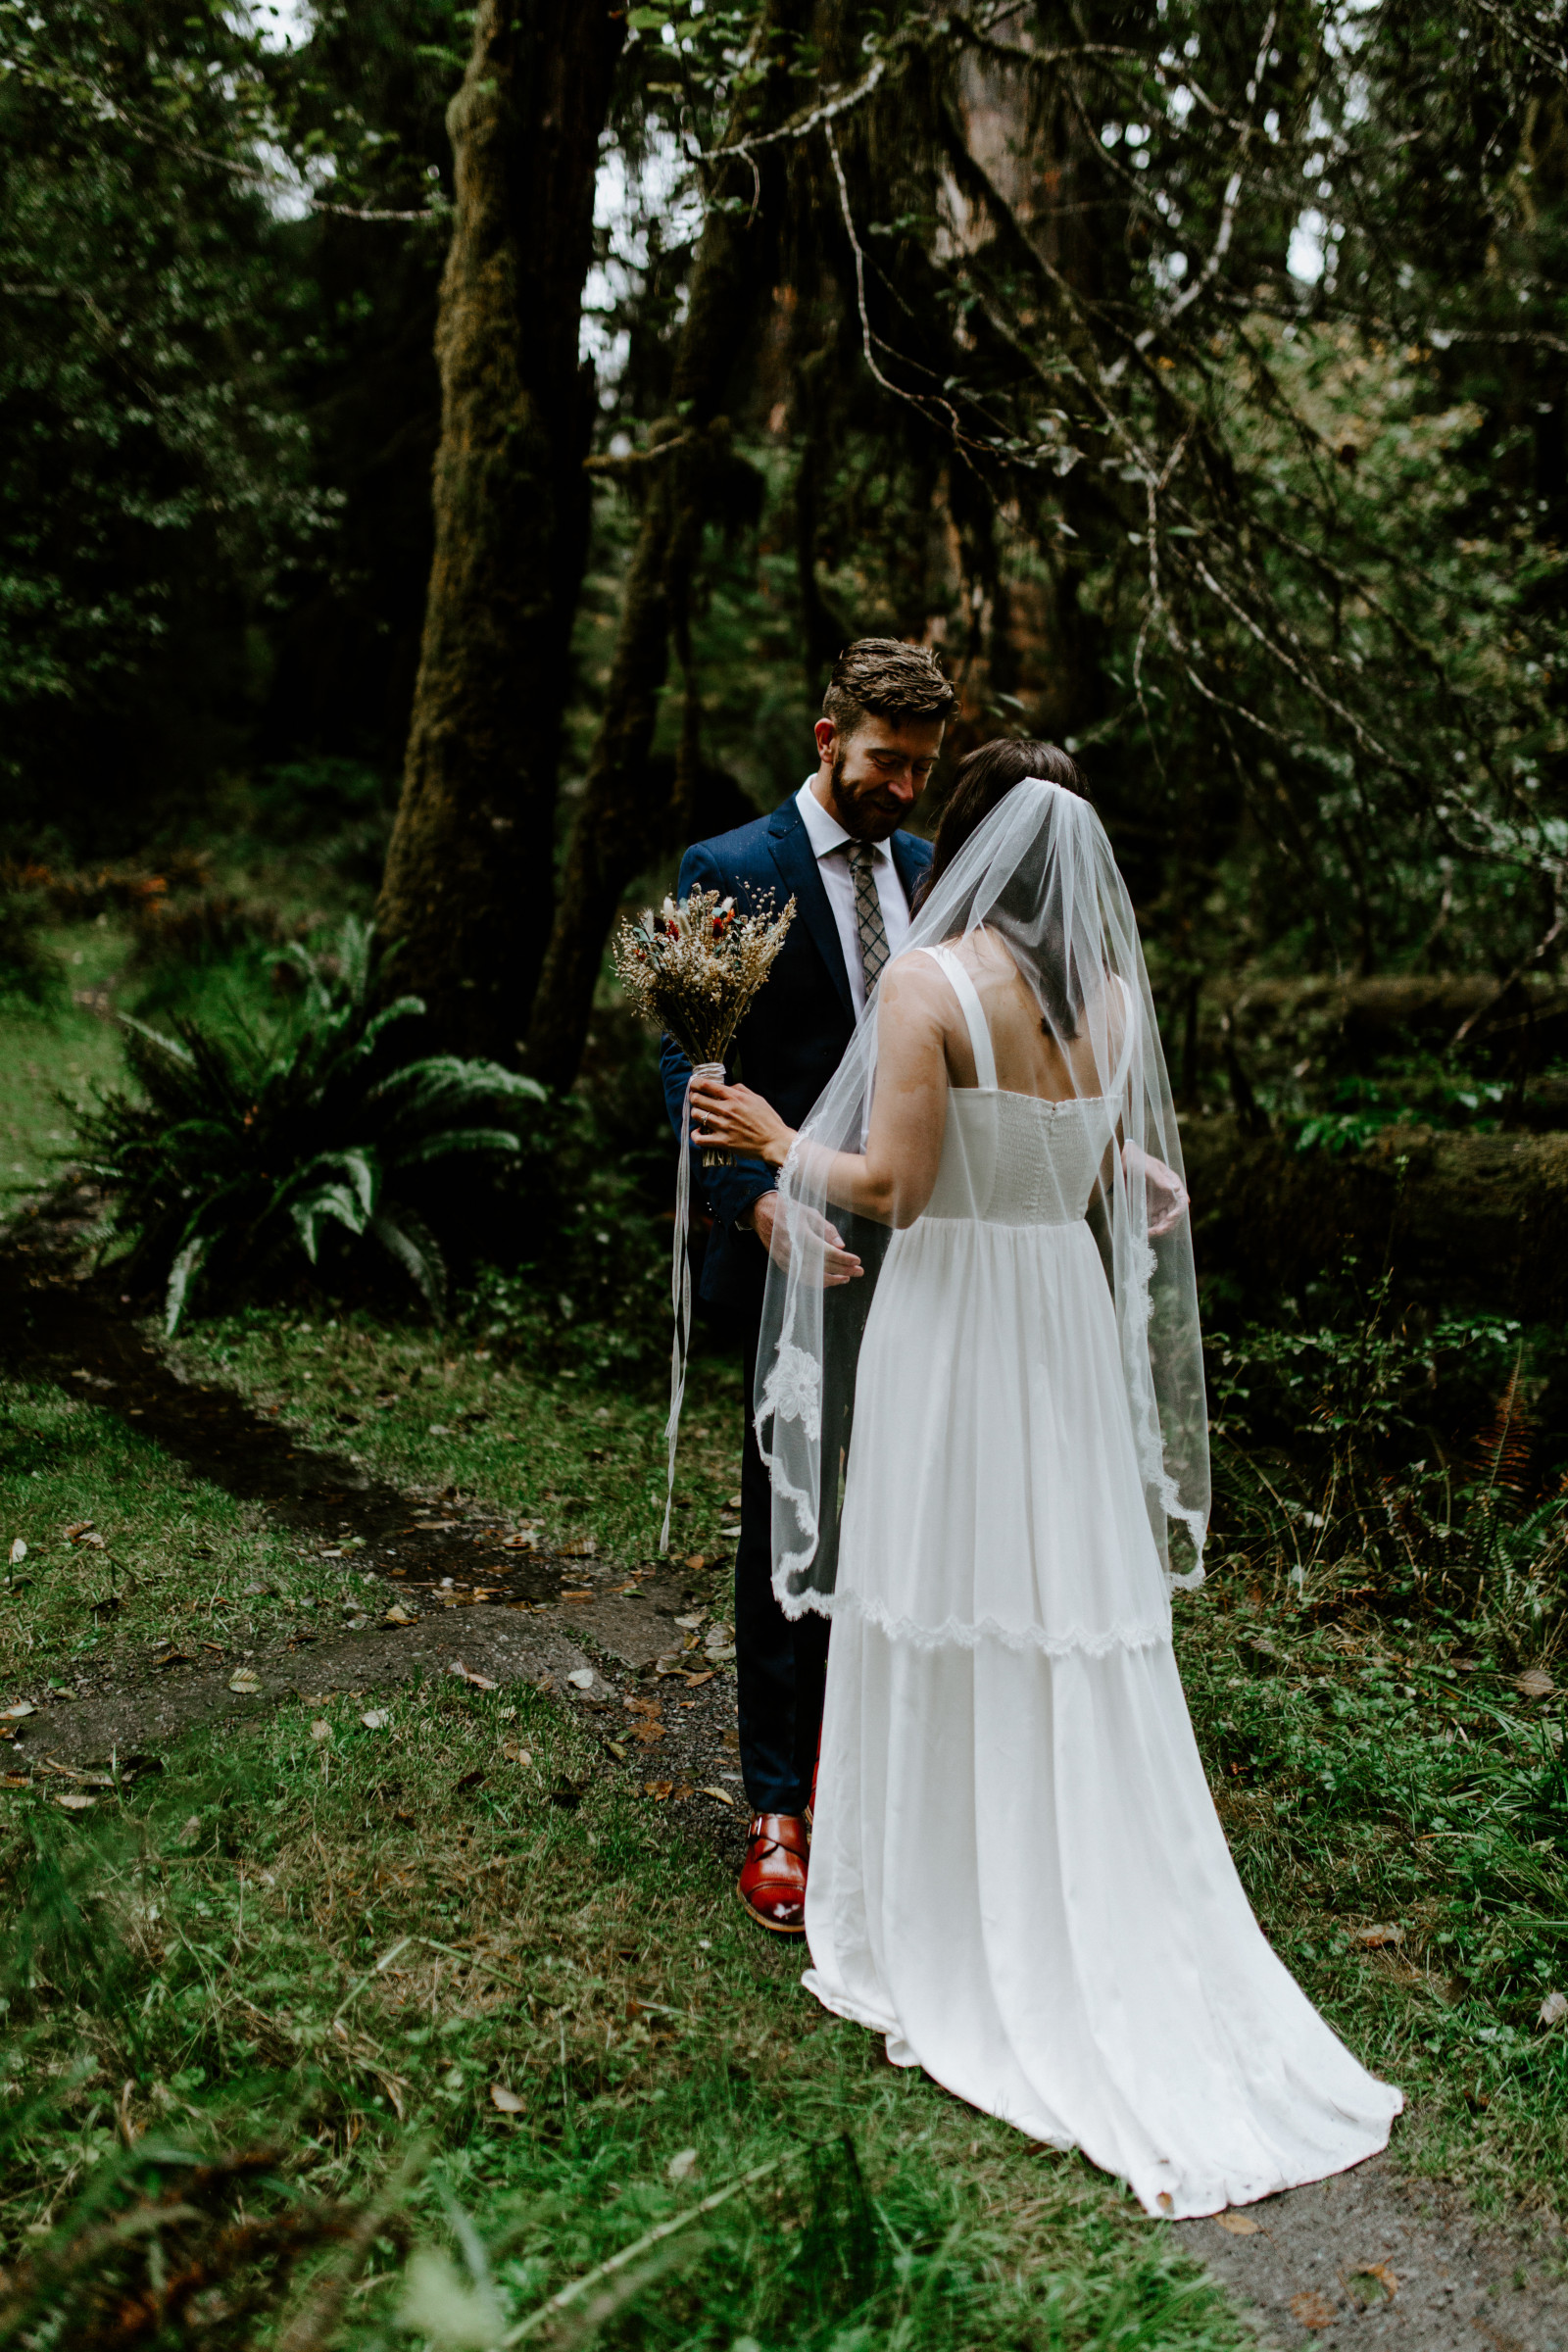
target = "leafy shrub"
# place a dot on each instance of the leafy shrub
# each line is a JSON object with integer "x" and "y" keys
{"x": 28, "y": 973}
{"x": 1378, "y": 1458}
{"x": 244, "y": 1145}
{"x": 583, "y": 1280}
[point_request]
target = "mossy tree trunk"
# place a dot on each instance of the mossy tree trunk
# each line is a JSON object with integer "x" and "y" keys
{"x": 732, "y": 276}
{"x": 466, "y": 893}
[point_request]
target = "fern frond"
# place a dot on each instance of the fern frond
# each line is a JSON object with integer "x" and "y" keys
{"x": 1501, "y": 1460}
{"x": 409, "y": 1240}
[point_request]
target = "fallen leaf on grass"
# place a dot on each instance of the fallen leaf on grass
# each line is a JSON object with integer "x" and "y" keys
{"x": 19, "y": 1553}
{"x": 582, "y": 1679}
{"x": 22, "y": 1706}
{"x": 722, "y": 1794}
{"x": 696, "y": 1559}
{"x": 682, "y": 2166}
{"x": 77, "y": 1527}
{"x": 684, "y": 1790}
{"x": 514, "y": 1754}
{"x": 507, "y": 2100}
{"x": 376, "y": 1719}
{"x": 586, "y": 1547}
{"x": 1373, "y": 1939}
{"x": 397, "y": 1614}
{"x": 692, "y": 1623}
{"x": 617, "y": 1750}
{"x": 479, "y": 1681}
{"x": 647, "y": 1733}
{"x": 576, "y": 1595}
{"x": 1553, "y": 2009}
{"x": 73, "y": 1800}
{"x": 658, "y": 1790}
{"x": 1535, "y": 1683}
{"x": 1312, "y": 2309}
{"x": 523, "y": 1542}
{"x": 91, "y": 1536}
{"x": 733, "y": 1504}
{"x": 244, "y": 1680}
{"x": 1239, "y": 2224}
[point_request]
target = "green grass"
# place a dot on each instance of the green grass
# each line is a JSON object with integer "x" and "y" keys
{"x": 210, "y": 1938}
{"x": 1376, "y": 1777}
{"x": 450, "y": 1409}
{"x": 63, "y": 1048}
{"x": 1365, "y": 1778}
{"x": 161, "y": 1555}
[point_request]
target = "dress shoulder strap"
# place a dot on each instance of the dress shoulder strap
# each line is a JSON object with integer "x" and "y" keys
{"x": 963, "y": 988}
{"x": 1124, "y": 1063}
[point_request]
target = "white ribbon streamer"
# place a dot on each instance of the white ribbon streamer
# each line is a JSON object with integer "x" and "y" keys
{"x": 680, "y": 1288}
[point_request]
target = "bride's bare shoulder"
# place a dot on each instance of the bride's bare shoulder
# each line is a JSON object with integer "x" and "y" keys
{"x": 914, "y": 985}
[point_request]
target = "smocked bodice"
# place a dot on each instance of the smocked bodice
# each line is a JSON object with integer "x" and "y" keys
{"x": 1014, "y": 1159}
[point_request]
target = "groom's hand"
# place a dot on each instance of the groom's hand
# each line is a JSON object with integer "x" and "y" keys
{"x": 838, "y": 1264}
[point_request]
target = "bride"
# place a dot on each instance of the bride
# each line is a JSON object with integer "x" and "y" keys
{"x": 1017, "y": 1874}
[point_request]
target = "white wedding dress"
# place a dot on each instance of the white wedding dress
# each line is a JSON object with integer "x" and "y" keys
{"x": 1017, "y": 1874}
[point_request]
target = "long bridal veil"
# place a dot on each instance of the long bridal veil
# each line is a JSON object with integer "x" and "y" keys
{"x": 1038, "y": 875}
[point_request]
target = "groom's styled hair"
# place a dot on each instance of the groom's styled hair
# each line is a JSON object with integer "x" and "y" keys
{"x": 882, "y": 677}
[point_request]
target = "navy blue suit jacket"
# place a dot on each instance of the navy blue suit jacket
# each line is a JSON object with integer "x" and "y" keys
{"x": 793, "y": 1039}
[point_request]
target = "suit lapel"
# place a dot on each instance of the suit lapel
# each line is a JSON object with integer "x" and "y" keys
{"x": 797, "y": 871}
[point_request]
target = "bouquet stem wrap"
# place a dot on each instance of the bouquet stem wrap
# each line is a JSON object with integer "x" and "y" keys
{"x": 694, "y": 969}
{"x": 680, "y": 1288}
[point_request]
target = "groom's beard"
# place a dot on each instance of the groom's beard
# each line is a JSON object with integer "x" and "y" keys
{"x": 859, "y": 810}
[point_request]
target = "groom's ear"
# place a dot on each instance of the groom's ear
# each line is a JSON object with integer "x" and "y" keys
{"x": 826, "y": 734}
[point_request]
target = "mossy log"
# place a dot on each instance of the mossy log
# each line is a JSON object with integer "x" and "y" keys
{"x": 1359, "y": 1020}
{"x": 1466, "y": 1221}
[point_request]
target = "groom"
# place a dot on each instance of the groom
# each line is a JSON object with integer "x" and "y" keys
{"x": 835, "y": 848}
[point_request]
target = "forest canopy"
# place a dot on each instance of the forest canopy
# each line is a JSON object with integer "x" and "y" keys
{"x": 1193, "y": 377}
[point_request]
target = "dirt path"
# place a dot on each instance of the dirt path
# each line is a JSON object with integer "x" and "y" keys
{"x": 621, "y": 1642}
{"x": 1376, "y": 2258}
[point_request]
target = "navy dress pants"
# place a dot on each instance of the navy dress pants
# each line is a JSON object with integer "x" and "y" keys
{"x": 780, "y": 1665}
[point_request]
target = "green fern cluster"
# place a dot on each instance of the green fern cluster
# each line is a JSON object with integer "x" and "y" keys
{"x": 236, "y": 1147}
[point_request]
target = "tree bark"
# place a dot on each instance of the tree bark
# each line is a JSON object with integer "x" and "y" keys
{"x": 732, "y": 275}
{"x": 467, "y": 889}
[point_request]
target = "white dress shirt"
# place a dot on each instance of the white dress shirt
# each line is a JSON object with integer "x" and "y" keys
{"x": 830, "y": 845}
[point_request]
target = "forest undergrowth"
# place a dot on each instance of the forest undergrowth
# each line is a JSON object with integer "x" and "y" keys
{"x": 577, "y": 2038}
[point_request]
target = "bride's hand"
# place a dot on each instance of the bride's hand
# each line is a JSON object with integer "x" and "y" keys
{"x": 825, "y": 1263}
{"x": 1165, "y": 1194}
{"x": 740, "y": 1121}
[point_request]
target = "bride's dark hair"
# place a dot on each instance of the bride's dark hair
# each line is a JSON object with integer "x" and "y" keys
{"x": 985, "y": 777}
{"x": 984, "y": 780}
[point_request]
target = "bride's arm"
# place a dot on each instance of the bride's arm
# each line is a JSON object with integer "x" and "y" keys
{"x": 894, "y": 1176}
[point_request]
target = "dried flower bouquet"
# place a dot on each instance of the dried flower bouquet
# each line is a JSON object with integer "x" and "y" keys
{"x": 696, "y": 968}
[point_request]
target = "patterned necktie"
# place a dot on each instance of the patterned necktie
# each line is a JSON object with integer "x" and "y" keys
{"x": 868, "y": 921}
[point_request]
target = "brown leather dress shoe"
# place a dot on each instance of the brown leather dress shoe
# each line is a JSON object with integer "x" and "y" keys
{"x": 772, "y": 1882}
